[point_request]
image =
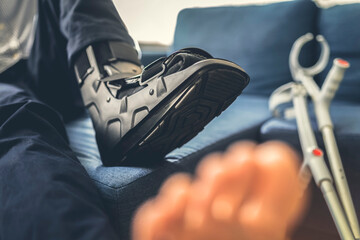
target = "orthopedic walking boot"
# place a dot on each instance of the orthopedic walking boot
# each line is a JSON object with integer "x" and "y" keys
{"x": 141, "y": 115}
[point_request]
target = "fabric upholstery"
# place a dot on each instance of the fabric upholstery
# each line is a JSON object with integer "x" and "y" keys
{"x": 123, "y": 188}
{"x": 346, "y": 118}
{"x": 245, "y": 113}
{"x": 340, "y": 26}
{"x": 258, "y": 38}
{"x": 241, "y": 121}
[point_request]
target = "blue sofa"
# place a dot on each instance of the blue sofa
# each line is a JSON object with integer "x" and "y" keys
{"x": 258, "y": 38}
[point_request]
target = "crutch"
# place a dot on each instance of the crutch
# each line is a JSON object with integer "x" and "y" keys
{"x": 343, "y": 213}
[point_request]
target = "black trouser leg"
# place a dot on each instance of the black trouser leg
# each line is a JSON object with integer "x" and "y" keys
{"x": 65, "y": 27}
{"x": 44, "y": 191}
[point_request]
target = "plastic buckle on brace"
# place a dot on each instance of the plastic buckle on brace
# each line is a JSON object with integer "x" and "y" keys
{"x": 156, "y": 64}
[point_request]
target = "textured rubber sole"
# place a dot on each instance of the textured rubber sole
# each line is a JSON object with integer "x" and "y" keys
{"x": 181, "y": 116}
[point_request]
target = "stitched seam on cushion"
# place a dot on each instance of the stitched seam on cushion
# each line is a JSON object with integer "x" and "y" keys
{"x": 126, "y": 185}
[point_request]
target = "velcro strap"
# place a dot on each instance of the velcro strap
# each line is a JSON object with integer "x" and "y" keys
{"x": 107, "y": 51}
{"x": 153, "y": 69}
{"x": 177, "y": 61}
{"x": 121, "y": 51}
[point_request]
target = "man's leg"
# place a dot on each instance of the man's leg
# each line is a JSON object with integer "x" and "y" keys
{"x": 142, "y": 117}
{"x": 44, "y": 191}
{"x": 64, "y": 28}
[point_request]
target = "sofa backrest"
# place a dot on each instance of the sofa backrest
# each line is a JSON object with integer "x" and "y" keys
{"x": 340, "y": 25}
{"x": 257, "y": 37}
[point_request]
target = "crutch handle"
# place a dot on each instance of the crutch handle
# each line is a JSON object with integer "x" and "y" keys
{"x": 333, "y": 79}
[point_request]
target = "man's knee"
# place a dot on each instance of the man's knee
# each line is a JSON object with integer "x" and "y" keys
{"x": 23, "y": 115}
{"x": 10, "y": 94}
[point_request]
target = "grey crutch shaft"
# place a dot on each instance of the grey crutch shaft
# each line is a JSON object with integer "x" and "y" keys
{"x": 316, "y": 163}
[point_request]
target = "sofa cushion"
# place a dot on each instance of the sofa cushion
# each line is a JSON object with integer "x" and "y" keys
{"x": 123, "y": 188}
{"x": 340, "y": 26}
{"x": 346, "y": 119}
{"x": 257, "y": 37}
{"x": 241, "y": 121}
